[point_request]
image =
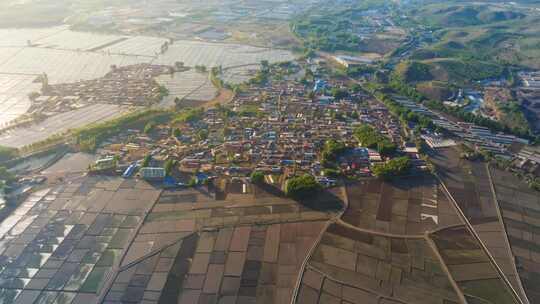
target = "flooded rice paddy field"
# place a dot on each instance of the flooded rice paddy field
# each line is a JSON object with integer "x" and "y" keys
{"x": 20, "y": 137}
{"x": 64, "y": 66}
{"x": 194, "y": 53}
{"x": 124, "y": 241}
{"x": 189, "y": 85}
{"x": 63, "y": 243}
{"x": 67, "y": 56}
{"x": 14, "y": 91}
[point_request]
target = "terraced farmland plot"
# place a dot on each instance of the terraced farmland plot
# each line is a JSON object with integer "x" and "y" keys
{"x": 411, "y": 206}
{"x": 194, "y": 53}
{"x": 246, "y": 264}
{"x": 469, "y": 184}
{"x": 14, "y": 90}
{"x": 80, "y": 243}
{"x": 361, "y": 267}
{"x": 520, "y": 208}
{"x": 470, "y": 266}
{"x": 60, "y": 123}
{"x": 349, "y": 266}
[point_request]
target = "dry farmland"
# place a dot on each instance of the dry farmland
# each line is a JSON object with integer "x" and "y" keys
{"x": 520, "y": 207}
{"x": 469, "y": 184}
{"x": 410, "y": 206}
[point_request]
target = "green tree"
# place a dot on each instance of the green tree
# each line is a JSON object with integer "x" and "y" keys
{"x": 149, "y": 127}
{"x": 302, "y": 187}
{"x": 146, "y": 160}
{"x": 392, "y": 168}
{"x": 190, "y": 115}
{"x": 339, "y": 93}
{"x": 6, "y": 176}
{"x": 257, "y": 177}
{"x": 202, "y": 134}
{"x": 169, "y": 166}
{"x": 7, "y": 153}
{"x": 331, "y": 151}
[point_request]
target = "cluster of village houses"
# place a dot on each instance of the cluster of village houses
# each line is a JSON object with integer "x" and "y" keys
{"x": 133, "y": 85}
{"x": 276, "y": 129}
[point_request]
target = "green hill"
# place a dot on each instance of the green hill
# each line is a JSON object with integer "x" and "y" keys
{"x": 466, "y": 15}
{"x": 413, "y": 71}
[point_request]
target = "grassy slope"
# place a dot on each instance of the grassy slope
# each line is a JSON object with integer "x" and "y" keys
{"x": 475, "y": 40}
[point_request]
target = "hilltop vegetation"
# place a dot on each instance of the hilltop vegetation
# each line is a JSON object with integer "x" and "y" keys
{"x": 7, "y": 153}
{"x": 412, "y": 71}
{"x": 471, "y": 38}
{"x": 466, "y": 15}
{"x": 346, "y": 29}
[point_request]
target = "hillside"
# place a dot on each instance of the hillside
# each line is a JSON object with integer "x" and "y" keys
{"x": 460, "y": 15}
{"x": 413, "y": 71}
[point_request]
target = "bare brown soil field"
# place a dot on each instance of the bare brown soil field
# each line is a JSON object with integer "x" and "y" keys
{"x": 405, "y": 206}
{"x": 520, "y": 208}
{"x": 468, "y": 183}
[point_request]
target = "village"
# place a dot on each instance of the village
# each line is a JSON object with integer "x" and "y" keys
{"x": 280, "y": 128}
{"x": 132, "y": 85}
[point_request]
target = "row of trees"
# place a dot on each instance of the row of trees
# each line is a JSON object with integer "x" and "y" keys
{"x": 7, "y": 153}
{"x": 189, "y": 115}
{"x": 90, "y": 136}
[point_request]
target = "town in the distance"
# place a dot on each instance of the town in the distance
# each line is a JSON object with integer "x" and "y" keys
{"x": 269, "y": 151}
